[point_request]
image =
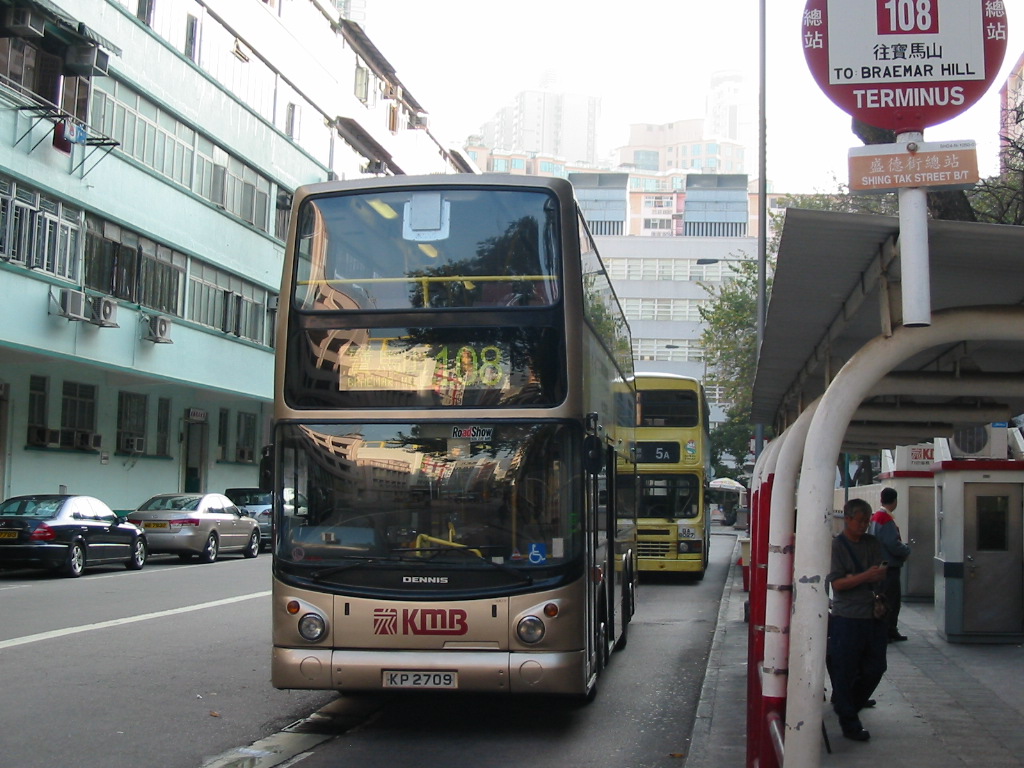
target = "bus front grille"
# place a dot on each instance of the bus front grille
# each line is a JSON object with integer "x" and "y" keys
{"x": 653, "y": 548}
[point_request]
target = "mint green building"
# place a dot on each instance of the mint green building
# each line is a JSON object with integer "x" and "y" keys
{"x": 148, "y": 152}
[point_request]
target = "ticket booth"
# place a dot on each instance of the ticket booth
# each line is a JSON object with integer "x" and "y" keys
{"x": 910, "y": 473}
{"x": 979, "y": 556}
{"x": 908, "y": 470}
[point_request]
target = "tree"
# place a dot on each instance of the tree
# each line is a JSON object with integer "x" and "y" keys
{"x": 1000, "y": 199}
{"x": 730, "y": 354}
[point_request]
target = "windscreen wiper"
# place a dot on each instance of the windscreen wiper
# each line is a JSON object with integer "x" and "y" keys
{"x": 436, "y": 551}
{"x": 358, "y": 561}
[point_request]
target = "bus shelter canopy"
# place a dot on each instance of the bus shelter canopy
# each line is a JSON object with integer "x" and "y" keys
{"x": 837, "y": 286}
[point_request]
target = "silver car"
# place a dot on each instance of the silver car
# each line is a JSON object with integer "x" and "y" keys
{"x": 204, "y": 524}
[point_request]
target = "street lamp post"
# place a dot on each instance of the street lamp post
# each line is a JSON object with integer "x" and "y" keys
{"x": 762, "y": 218}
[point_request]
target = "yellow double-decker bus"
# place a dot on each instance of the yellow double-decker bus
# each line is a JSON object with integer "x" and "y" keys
{"x": 673, "y": 467}
{"x": 451, "y": 366}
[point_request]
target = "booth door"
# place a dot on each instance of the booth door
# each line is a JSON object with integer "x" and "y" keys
{"x": 918, "y": 570}
{"x": 993, "y": 558}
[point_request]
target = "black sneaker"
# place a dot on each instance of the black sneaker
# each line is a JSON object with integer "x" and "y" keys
{"x": 855, "y": 734}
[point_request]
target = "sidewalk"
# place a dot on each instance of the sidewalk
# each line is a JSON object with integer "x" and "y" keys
{"x": 940, "y": 705}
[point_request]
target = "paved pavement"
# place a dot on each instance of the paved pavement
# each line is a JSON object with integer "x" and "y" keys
{"x": 940, "y": 705}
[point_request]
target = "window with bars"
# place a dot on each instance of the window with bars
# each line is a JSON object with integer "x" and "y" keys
{"x": 38, "y": 387}
{"x": 121, "y": 263}
{"x": 671, "y": 310}
{"x": 671, "y": 269}
{"x": 144, "y": 11}
{"x": 163, "y": 426}
{"x": 673, "y": 350}
{"x": 131, "y": 422}
{"x": 223, "y": 420}
{"x": 226, "y": 302}
{"x": 77, "y": 413}
{"x": 38, "y": 231}
{"x": 192, "y": 37}
{"x": 159, "y": 141}
{"x": 245, "y": 437}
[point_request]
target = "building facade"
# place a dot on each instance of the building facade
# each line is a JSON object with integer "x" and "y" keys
{"x": 544, "y": 122}
{"x": 662, "y": 283}
{"x": 150, "y": 149}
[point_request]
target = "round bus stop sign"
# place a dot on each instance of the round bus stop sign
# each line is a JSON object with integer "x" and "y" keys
{"x": 904, "y": 64}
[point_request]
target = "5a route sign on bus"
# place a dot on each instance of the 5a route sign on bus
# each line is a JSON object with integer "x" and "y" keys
{"x": 904, "y": 64}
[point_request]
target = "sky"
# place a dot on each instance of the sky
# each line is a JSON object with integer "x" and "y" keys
{"x": 649, "y": 62}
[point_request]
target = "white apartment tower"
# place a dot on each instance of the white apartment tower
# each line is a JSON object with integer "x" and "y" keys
{"x": 547, "y": 123}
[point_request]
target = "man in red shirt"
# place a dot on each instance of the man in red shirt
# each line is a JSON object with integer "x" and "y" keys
{"x": 883, "y": 527}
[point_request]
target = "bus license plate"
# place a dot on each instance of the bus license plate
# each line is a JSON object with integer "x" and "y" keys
{"x": 416, "y": 678}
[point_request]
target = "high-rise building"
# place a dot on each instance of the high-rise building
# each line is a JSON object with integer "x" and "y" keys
{"x": 680, "y": 145}
{"x": 544, "y": 122}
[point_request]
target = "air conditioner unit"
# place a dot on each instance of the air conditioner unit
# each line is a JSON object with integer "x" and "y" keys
{"x": 88, "y": 441}
{"x": 159, "y": 329}
{"x": 104, "y": 312}
{"x": 25, "y": 22}
{"x": 43, "y": 436}
{"x": 133, "y": 444}
{"x": 419, "y": 120}
{"x": 988, "y": 441}
{"x": 86, "y": 60}
{"x": 73, "y": 305}
{"x": 392, "y": 91}
{"x": 375, "y": 166}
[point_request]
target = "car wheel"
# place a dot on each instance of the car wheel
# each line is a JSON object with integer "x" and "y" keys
{"x": 139, "y": 554}
{"x": 210, "y": 551}
{"x": 75, "y": 563}
{"x": 254, "y": 545}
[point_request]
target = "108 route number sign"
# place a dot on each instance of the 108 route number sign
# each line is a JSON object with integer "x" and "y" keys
{"x": 904, "y": 64}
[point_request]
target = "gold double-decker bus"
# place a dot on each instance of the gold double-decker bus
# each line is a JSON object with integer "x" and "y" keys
{"x": 673, "y": 470}
{"x": 448, "y": 394}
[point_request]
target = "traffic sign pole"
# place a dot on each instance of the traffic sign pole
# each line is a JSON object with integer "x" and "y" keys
{"x": 905, "y": 65}
{"x": 915, "y": 265}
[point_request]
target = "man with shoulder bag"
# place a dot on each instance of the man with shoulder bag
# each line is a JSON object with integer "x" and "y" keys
{"x": 857, "y": 639}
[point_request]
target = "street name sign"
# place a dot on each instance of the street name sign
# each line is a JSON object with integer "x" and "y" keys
{"x": 904, "y": 64}
{"x": 937, "y": 165}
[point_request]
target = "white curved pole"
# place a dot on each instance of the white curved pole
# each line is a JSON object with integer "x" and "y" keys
{"x": 778, "y": 602}
{"x": 814, "y": 501}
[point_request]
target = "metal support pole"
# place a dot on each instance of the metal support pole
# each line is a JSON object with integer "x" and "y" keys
{"x": 915, "y": 280}
{"x": 762, "y": 202}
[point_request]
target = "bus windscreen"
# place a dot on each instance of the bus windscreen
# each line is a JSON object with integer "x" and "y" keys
{"x": 423, "y": 249}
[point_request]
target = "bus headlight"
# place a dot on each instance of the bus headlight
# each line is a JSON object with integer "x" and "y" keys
{"x": 689, "y": 547}
{"x": 312, "y": 627}
{"x": 530, "y": 629}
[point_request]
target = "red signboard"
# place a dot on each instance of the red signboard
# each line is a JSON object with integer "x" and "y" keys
{"x": 904, "y": 64}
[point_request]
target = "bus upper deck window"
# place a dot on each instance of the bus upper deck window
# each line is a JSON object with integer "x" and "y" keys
{"x": 426, "y": 217}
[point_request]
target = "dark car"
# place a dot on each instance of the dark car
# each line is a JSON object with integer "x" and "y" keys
{"x": 67, "y": 533}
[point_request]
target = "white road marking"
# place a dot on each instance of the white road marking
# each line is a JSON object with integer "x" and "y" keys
{"x": 127, "y": 620}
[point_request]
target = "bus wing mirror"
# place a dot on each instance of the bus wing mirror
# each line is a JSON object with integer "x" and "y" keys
{"x": 593, "y": 455}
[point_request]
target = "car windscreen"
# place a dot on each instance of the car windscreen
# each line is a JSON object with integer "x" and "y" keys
{"x": 171, "y": 503}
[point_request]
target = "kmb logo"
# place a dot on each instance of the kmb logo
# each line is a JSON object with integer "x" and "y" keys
{"x": 420, "y": 621}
